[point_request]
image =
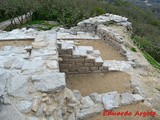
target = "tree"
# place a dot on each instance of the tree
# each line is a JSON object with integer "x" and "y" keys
{"x": 18, "y": 9}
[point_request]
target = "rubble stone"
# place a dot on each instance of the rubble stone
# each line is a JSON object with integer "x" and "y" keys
{"x": 24, "y": 106}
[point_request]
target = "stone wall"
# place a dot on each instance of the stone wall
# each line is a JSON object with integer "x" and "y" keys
{"x": 115, "y": 40}
{"x": 79, "y": 59}
{"x": 91, "y": 24}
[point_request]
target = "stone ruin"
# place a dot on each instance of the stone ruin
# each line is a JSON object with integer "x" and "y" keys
{"x": 33, "y": 77}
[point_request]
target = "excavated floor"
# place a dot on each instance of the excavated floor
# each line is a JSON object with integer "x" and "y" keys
{"x": 107, "y": 51}
{"x": 100, "y": 83}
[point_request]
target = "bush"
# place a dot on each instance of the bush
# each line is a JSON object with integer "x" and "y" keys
{"x": 133, "y": 49}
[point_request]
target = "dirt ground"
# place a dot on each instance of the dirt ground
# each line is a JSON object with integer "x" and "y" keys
{"x": 15, "y": 43}
{"x": 140, "y": 107}
{"x": 107, "y": 51}
{"x": 100, "y": 83}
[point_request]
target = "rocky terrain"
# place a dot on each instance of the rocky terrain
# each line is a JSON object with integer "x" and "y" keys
{"x": 33, "y": 77}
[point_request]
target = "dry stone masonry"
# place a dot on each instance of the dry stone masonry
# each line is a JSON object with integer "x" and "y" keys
{"x": 33, "y": 77}
{"x": 79, "y": 59}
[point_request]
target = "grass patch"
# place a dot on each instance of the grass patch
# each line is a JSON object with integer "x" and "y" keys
{"x": 36, "y": 22}
{"x": 133, "y": 49}
{"x": 151, "y": 60}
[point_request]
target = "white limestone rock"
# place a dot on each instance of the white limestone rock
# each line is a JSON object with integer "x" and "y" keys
{"x": 49, "y": 82}
{"x": 137, "y": 91}
{"x": 111, "y": 100}
{"x": 7, "y": 48}
{"x": 43, "y": 52}
{"x": 19, "y": 50}
{"x": 18, "y": 85}
{"x": 38, "y": 45}
{"x": 126, "y": 99}
{"x": 8, "y": 112}
{"x": 88, "y": 112}
{"x": 3, "y": 78}
{"x": 36, "y": 103}
{"x": 24, "y": 106}
{"x": 117, "y": 65}
{"x": 17, "y": 63}
{"x": 77, "y": 94}
{"x": 32, "y": 66}
{"x": 53, "y": 64}
{"x": 96, "y": 97}
{"x": 87, "y": 102}
{"x": 138, "y": 98}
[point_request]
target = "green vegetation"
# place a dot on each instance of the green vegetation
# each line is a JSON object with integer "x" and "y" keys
{"x": 151, "y": 60}
{"x": 37, "y": 24}
{"x": 146, "y": 26}
{"x": 133, "y": 49}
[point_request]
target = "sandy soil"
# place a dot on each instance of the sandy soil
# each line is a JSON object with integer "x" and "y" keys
{"x": 100, "y": 83}
{"x": 131, "y": 108}
{"x": 15, "y": 43}
{"x": 107, "y": 51}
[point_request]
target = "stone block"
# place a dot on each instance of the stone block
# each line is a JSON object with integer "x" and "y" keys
{"x": 90, "y": 59}
{"x": 24, "y": 106}
{"x": 80, "y": 60}
{"x": 96, "y": 97}
{"x": 96, "y": 64}
{"x": 70, "y": 51}
{"x": 83, "y": 69}
{"x": 64, "y": 70}
{"x": 93, "y": 68}
{"x": 88, "y": 64}
{"x": 126, "y": 99}
{"x": 49, "y": 82}
{"x": 87, "y": 102}
{"x": 79, "y": 65}
{"x": 88, "y": 112}
{"x": 62, "y": 52}
{"x": 9, "y": 112}
{"x": 138, "y": 98}
{"x": 53, "y": 64}
{"x": 18, "y": 85}
{"x": 65, "y": 66}
{"x": 111, "y": 100}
